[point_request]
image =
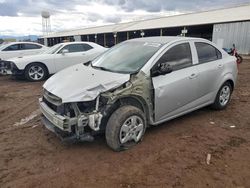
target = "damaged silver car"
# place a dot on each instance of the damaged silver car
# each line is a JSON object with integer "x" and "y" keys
{"x": 135, "y": 84}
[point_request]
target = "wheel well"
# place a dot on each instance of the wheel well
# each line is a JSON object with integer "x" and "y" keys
{"x": 38, "y": 63}
{"x": 133, "y": 101}
{"x": 231, "y": 83}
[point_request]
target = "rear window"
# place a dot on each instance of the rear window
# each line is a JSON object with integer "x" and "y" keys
{"x": 207, "y": 52}
{"x": 87, "y": 47}
{"x": 30, "y": 46}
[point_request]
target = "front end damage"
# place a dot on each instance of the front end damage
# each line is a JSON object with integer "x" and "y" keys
{"x": 71, "y": 121}
{"x": 83, "y": 120}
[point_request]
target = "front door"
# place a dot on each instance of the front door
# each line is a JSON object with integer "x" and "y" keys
{"x": 175, "y": 92}
{"x": 75, "y": 54}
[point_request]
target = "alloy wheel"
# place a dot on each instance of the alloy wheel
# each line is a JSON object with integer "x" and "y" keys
{"x": 36, "y": 72}
{"x": 224, "y": 95}
{"x": 132, "y": 129}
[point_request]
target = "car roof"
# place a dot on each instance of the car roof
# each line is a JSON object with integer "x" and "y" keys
{"x": 82, "y": 42}
{"x": 77, "y": 42}
{"x": 10, "y": 43}
{"x": 165, "y": 40}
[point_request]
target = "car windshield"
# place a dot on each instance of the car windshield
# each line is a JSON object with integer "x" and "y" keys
{"x": 2, "y": 46}
{"x": 53, "y": 49}
{"x": 127, "y": 57}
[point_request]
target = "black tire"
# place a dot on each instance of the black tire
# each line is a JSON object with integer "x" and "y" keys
{"x": 41, "y": 74}
{"x": 116, "y": 122}
{"x": 218, "y": 104}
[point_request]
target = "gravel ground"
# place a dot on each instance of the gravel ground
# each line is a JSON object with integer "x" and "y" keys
{"x": 171, "y": 155}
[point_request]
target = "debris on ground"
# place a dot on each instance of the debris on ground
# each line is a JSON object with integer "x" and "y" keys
{"x": 173, "y": 154}
{"x": 28, "y": 118}
{"x": 208, "y": 158}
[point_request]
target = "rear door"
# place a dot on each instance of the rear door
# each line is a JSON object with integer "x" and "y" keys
{"x": 14, "y": 50}
{"x": 30, "y": 49}
{"x": 210, "y": 68}
{"x": 175, "y": 92}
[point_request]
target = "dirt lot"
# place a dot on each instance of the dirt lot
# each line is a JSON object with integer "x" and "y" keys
{"x": 171, "y": 155}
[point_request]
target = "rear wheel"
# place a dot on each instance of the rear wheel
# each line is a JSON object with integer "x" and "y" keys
{"x": 125, "y": 128}
{"x": 36, "y": 72}
{"x": 223, "y": 96}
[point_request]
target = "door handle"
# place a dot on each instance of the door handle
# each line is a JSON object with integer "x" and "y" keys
{"x": 192, "y": 76}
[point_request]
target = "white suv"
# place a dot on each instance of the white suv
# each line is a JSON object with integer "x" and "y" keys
{"x": 19, "y": 49}
{"x": 62, "y": 55}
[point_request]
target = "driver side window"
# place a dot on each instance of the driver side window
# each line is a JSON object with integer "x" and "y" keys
{"x": 177, "y": 57}
{"x": 75, "y": 48}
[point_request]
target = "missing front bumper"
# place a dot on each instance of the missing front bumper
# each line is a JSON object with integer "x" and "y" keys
{"x": 65, "y": 136}
{"x": 68, "y": 129}
{"x": 57, "y": 120}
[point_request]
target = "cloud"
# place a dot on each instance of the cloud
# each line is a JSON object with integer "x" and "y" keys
{"x": 19, "y": 17}
{"x": 7, "y": 9}
{"x": 170, "y": 5}
{"x": 113, "y": 19}
{"x": 34, "y": 8}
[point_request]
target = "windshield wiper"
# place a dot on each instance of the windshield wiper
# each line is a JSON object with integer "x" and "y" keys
{"x": 101, "y": 68}
{"x": 87, "y": 63}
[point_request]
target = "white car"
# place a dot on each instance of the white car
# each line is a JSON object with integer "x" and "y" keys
{"x": 58, "y": 57}
{"x": 19, "y": 49}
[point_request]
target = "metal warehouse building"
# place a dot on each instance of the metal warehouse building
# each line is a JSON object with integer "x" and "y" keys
{"x": 224, "y": 26}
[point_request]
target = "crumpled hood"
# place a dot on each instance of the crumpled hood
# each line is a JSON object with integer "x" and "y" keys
{"x": 81, "y": 83}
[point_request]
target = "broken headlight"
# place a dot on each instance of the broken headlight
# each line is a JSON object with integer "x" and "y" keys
{"x": 86, "y": 107}
{"x": 91, "y": 106}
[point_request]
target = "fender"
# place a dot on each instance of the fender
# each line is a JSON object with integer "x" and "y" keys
{"x": 39, "y": 63}
{"x": 228, "y": 77}
{"x": 134, "y": 100}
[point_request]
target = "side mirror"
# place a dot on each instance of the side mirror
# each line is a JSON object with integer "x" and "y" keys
{"x": 162, "y": 69}
{"x": 64, "y": 51}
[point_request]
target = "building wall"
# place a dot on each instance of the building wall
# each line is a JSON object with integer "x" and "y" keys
{"x": 238, "y": 33}
{"x": 113, "y": 38}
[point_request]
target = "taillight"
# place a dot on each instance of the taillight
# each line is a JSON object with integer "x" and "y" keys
{"x": 237, "y": 65}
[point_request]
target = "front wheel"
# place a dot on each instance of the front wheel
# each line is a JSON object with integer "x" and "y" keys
{"x": 125, "y": 128}
{"x": 36, "y": 72}
{"x": 223, "y": 96}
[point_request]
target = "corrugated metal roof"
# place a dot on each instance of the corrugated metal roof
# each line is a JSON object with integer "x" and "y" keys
{"x": 240, "y": 13}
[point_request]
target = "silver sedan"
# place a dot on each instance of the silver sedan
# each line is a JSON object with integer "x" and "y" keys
{"x": 135, "y": 84}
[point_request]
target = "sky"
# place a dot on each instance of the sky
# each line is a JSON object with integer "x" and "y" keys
{"x": 23, "y": 17}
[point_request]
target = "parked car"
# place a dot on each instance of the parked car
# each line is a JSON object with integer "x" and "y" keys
{"x": 17, "y": 49}
{"x": 20, "y": 49}
{"x": 58, "y": 57}
{"x": 137, "y": 83}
